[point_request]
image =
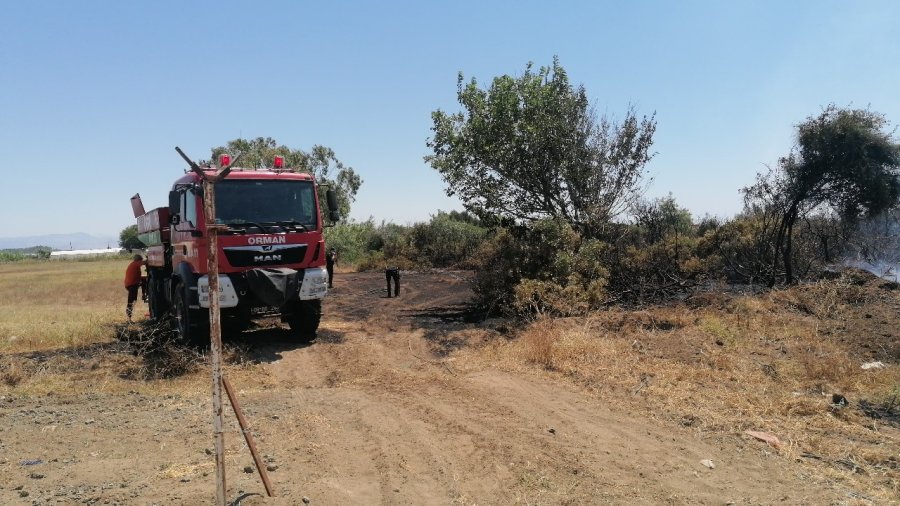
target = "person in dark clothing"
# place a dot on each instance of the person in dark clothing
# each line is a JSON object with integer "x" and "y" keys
{"x": 393, "y": 273}
{"x": 330, "y": 260}
{"x": 133, "y": 281}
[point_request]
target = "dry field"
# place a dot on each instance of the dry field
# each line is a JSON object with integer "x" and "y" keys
{"x": 408, "y": 401}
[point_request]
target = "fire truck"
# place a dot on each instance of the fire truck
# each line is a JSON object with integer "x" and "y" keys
{"x": 271, "y": 251}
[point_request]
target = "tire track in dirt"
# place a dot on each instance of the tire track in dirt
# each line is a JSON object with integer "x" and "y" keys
{"x": 429, "y": 433}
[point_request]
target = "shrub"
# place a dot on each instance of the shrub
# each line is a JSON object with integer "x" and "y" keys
{"x": 19, "y": 254}
{"x": 351, "y": 240}
{"x": 446, "y": 241}
{"x": 547, "y": 268}
{"x": 550, "y": 268}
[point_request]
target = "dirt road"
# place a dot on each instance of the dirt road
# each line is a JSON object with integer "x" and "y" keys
{"x": 389, "y": 406}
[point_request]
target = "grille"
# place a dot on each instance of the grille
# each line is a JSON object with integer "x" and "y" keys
{"x": 254, "y": 256}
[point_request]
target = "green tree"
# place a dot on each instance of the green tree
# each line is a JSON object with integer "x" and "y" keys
{"x": 320, "y": 161}
{"x": 128, "y": 238}
{"x": 845, "y": 161}
{"x": 660, "y": 217}
{"x": 531, "y": 147}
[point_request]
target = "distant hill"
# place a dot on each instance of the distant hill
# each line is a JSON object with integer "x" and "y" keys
{"x": 60, "y": 241}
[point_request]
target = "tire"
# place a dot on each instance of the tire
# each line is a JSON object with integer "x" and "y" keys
{"x": 187, "y": 322}
{"x": 156, "y": 300}
{"x": 236, "y": 321}
{"x": 304, "y": 320}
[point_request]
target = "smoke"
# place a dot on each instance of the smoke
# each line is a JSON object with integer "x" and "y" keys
{"x": 883, "y": 270}
{"x": 874, "y": 246}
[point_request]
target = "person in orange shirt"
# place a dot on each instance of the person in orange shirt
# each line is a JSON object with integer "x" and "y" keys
{"x": 133, "y": 281}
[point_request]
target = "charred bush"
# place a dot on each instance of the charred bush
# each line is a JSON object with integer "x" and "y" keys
{"x": 162, "y": 354}
{"x": 550, "y": 268}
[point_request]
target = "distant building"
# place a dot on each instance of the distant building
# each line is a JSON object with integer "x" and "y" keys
{"x": 86, "y": 252}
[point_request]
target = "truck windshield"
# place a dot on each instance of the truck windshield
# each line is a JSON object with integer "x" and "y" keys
{"x": 242, "y": 201}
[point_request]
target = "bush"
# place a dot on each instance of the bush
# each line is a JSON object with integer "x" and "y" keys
{"x": 547, "y": 268}
{"x": 655, "y": 271}
{"x": 351, "y": 240}
{"x": 19, "y": 254}
{"x": 746, "y": 246}
{"x": 447, "y": 240}
{"x": 9, "y": 256}
{"x": 550, "y": 268}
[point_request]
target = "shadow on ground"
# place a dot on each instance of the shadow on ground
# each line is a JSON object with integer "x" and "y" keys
{"x": 439, "y": 324}
{"x": 451, "y": 313}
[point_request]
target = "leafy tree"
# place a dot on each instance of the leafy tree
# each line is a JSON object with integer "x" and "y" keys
{"x": 844, "y": 162}
{"x": 320, "y": 161}
{"x": 532, "y": 147}
{"x": 128, "y": 238}
{"x": 662, "y": 216}
{"x": 463, "y": 216}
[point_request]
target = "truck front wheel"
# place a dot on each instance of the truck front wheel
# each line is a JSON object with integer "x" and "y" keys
{"x": 304, "y": 319}
{"x": 188, "y": 322}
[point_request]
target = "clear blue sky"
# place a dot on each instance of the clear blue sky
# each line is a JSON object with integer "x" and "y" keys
{"x": 95, "y": 95}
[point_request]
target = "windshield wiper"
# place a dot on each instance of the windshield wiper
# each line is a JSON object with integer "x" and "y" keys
{"x": 247, "y": 224}
{"x": 295, "y": 224}
{"x": 265, "y": 226}
{"x": 287, "y": 224}
{"x": 274, "y": 224}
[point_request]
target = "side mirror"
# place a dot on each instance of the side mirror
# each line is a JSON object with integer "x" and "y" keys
{"x": 174, "y": 207}
{"x": 334, "y": 213}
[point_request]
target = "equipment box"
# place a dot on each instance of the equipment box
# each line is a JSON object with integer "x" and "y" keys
{"x": 156, "y": 256}
{"x": 154, "y": 238}
{"x": 154, "y": 220}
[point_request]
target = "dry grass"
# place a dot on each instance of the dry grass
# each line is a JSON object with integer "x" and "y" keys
{"x": 12, "y": 373}
{"x": 725, "y": 364}
{"x": 49, "y": 305}
{"x": 538, "y": 344}
{"x": 63, "y": 331}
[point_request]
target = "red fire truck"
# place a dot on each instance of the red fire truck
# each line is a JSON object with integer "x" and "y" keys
{"x": 271, "y": 251}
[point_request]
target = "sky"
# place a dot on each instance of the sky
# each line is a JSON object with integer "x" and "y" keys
{"x": 95, "y": 95}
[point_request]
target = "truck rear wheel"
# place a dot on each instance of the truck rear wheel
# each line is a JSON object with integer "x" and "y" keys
{"x": 155, "y": 297}
{"x": 304, "y": 319}
{"x": 189, "y": 322}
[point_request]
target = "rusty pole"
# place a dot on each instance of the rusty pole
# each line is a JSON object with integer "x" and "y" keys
{"x": 215, "y": 334}
{"x": 215, "y": 331}
{"x": 248, "y": 436}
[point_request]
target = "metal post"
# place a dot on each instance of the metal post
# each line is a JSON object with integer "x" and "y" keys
{"x": 215, "y": 332}
{"x": 248, "y": 436}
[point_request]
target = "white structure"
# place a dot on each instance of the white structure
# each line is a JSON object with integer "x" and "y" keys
{"x": 84, "y": 252}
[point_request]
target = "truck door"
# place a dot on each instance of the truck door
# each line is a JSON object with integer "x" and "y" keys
{"x": 187, "y": 242}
